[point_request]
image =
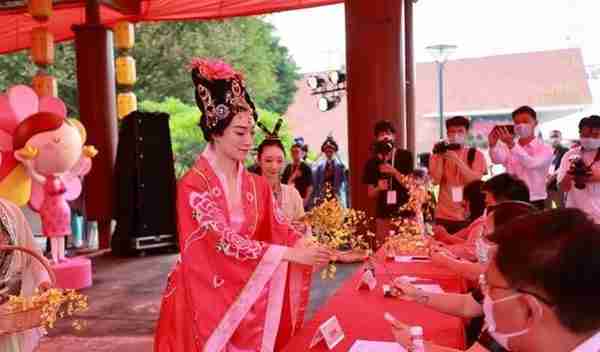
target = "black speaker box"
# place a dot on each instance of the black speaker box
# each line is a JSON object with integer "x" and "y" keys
{"x": 146, "y": 185}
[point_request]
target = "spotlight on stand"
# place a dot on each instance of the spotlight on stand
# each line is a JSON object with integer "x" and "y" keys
{"x": 327, "y": 103}
{"x": 337, "y": 77}
{"x": 315, "y": 82}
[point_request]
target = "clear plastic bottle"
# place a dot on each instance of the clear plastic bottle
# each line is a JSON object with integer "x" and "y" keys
{"x": 416, "y": 337}
{"x": 93, "y": 235}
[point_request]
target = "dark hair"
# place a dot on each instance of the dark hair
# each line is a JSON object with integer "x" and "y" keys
{"x": 555, "y": 255}
{"x": 525, "y": 110}
{"x": 505, "y": 212}
{"x": 384, "y": 126}
{"x": 472, "y": 193}
{"x": 591, "y": 122}
{"x": 219, "y": 90}
{"x": 507, "y": 187}
{"x": 268, "y": 142}
{"x": 458, "y": 121}
{"x": 424, "y": 159}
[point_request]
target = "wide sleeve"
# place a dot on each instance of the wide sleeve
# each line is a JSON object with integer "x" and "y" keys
{"x": 223, "y": 272}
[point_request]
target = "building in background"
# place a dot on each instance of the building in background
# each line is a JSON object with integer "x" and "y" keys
{"x": 486, "y": 89}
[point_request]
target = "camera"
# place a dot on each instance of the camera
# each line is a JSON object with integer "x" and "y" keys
{"x": 580, "y": 172}
{"x": 383, "y": 147}
{"x": 443, "y": 146}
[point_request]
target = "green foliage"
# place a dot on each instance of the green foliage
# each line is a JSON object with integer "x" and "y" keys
{"x": 186, "y": 136}
{"x": 162, "y": 52}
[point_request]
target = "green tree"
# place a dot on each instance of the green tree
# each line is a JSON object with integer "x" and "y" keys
{"x": 162, "y": 52}
{"x": 186, "y": 137}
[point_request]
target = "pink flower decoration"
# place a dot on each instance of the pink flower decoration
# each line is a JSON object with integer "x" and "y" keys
{"x": 213, "y": 69}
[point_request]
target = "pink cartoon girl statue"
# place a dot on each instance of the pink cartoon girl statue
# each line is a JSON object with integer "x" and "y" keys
{"x": 44, "y": 158}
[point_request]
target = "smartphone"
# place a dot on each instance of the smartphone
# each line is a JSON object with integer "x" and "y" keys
{"x": 509, "y": 128}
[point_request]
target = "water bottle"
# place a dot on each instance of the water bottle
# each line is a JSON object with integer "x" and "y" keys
{"x": 93, "y": 235}
{"x": 416, "y": 337}
{"x": 77, "y": 229}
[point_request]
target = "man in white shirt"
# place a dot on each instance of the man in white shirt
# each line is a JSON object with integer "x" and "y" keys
{"x": 541, "y": 288}
{"x": 583, "y": 192}
{"x": 528, "y": 158}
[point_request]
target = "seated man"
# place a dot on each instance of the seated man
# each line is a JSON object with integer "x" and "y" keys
{"x": 500, "y": 188}
{"x": 536, "y": 297}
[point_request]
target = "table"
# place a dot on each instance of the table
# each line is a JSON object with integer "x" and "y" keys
{"x": 360, "y": 312}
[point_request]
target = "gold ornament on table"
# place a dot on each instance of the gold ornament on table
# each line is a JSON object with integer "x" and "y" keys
{"x": 417, "y": 194}
{"x": 408, "y": 234}
{"x": 340, "y": 229}
{"x": 408, "y": 239}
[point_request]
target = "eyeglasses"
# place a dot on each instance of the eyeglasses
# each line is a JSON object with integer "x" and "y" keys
{"x": 486, "y": 287}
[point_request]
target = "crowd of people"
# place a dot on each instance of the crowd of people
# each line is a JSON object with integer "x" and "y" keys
{"x": 525, "y": 240}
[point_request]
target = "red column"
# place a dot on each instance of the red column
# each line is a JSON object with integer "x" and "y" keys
{"x": 410, "y": 76}
{"x": 97, "y": 106}
{"x": 375, "y": 66}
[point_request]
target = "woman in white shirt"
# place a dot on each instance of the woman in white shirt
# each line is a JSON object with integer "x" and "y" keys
{"x": 271, "y": 159}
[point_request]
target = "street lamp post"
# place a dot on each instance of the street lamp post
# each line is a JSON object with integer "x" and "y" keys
{"x": 440, "y": 54}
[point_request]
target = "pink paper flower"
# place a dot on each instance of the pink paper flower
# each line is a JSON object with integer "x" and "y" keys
{"x": 213, "y": 69}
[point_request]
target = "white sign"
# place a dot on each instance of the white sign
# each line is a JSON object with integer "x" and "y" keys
{"x": 367, "y": 280}
{"x": 330, "y": 331}
{"x": 376, "y": 346}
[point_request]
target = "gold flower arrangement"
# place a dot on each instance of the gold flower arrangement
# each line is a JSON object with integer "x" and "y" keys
{"x": 340, "y": 229}
{"x": 408, "y": 234}
{"x": 408, "y": 238}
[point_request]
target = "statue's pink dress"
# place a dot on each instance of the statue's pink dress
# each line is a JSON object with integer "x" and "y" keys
{"x": 55, "y": 211}
{"x": 231, "y": 290}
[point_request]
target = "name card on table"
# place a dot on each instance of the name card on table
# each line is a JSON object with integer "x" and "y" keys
{"x": 376, "y": 346}
{"x": 432, "y": 288}
{"x": 367, "y": 281}
{"x": 330, "y": 331}
{"x": 411, "y": 259}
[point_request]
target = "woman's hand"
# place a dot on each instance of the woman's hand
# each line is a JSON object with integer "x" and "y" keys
{"x": 308, "y": 255}
{"x": 44, "y": 286}
{"x": 400, "y": 332}
{"x": 300, "y": 226}
{"x": 406, "y": 291}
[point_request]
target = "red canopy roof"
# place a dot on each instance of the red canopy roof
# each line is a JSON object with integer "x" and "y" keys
{"x": 16, "y": 24}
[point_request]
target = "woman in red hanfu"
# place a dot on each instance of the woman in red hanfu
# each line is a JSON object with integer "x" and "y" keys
{"x": 242, "y": 281}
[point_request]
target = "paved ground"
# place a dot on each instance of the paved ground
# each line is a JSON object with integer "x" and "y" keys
{"x": 124, "y": 305}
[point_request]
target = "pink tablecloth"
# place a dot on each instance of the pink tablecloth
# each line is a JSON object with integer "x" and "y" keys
{"x": 360, "y": 313}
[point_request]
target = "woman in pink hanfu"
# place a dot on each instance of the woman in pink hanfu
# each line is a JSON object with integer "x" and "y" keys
{"x": 242, "y": 280}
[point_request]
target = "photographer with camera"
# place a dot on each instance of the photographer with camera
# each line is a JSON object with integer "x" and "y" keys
{"x": 452, "y": 166}
{"x": 579, "y": 172}
{"x": 528, "y": 158}
{"x": 382, "y": 173}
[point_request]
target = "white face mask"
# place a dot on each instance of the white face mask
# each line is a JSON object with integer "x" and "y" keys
{"x": 590, "y": 143}
{"x": 524, "y": 130}
{"x": 457, "y": 138}
{"x": 488, "y": 311}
